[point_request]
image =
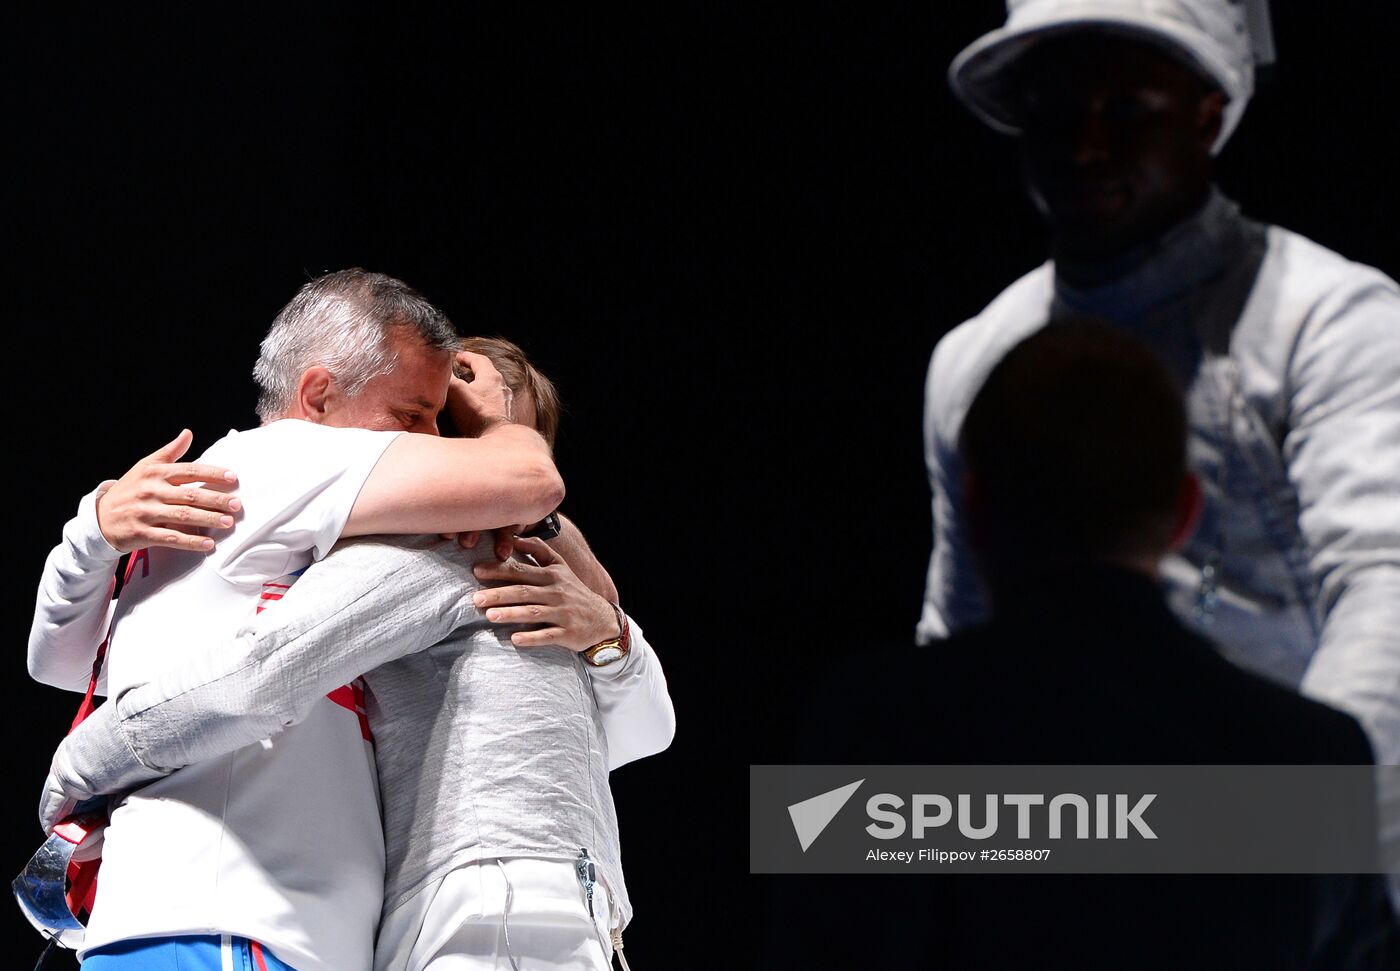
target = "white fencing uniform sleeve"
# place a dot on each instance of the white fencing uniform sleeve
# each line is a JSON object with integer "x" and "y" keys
{"x": 636, "y": 708}
{"x": 1343, "y": 455}
{"x": 73, "y": 607}
{"x": 952, "y": 593}
{"x": 369, "y": 602}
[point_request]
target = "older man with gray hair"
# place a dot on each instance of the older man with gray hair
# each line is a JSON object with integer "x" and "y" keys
{"x": 493, "y": 742}
{"x": 1289, "y": 353}
{"x": 222, "y": 861}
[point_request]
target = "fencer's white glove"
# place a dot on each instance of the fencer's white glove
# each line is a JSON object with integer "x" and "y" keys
{"x": 62, "y": 792}
{"x": 61, "y": 798}
{"x": 55, "y": 803}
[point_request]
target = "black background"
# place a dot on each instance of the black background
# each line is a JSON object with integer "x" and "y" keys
{"x": 732, "y": 234}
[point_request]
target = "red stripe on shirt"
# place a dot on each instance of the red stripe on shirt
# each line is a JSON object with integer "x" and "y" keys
{"x": 351, "y": 697}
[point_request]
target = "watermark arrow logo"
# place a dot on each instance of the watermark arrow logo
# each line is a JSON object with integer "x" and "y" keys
{"x": 811, "y": 816}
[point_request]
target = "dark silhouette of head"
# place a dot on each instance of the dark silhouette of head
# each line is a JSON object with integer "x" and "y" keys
{"x": 1115, "y": 139}
{"x": 1075, "y": 453}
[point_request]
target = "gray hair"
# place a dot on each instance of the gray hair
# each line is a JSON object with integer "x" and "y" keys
{"x": 341, "y": 321}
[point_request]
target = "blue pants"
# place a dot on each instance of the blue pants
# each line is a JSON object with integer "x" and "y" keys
{"x": 184, "y": 953}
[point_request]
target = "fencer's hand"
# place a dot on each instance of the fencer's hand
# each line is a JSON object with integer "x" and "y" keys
{"x": 62, "y": 791}
{"x": 550, "y": 594}
{"x": 56, "y": 803}
{"x": 61, "y": 798}
{"x": 158, "y": 504}
{"x": 477, "y": 396}
{"x": 502, "y": 539}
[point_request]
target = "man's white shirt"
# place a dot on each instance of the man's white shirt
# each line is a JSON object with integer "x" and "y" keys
{"x": 238, "y": 844}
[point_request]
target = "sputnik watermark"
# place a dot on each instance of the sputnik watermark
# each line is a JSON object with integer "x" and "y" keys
{"x": 932, "y": 811}
{"x": 1072, "y": 819}
{"x": 888, "y": 823}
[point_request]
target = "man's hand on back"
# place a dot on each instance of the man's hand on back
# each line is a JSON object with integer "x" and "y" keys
{"x": 157, "y": 502}
{"x": 477, "y": 397}
{"x": 550, "y": 594}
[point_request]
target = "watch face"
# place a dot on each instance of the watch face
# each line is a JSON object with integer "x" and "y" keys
{"x": 606, "y": 656}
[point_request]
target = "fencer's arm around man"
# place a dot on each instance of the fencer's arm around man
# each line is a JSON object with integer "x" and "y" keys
{"x": 365, "y": 604}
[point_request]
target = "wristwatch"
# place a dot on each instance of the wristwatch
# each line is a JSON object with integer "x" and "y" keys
{"x": 614, "y": 648}
{"x": 546, "y": 528}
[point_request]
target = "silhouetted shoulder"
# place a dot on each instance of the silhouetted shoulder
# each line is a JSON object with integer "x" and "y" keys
{"x": 1280, "y": 725}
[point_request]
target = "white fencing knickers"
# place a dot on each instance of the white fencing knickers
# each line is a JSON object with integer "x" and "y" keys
{"x": 514, "y": 914}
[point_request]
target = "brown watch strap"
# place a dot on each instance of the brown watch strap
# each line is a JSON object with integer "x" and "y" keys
{"x": 624, "y": 637}
{"x": 622, "y": 642}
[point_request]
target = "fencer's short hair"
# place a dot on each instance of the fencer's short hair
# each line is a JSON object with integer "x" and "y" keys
{"x": 342, "y": 321}
{"x": 521, "y": 376}
{"x": 1076, "y": 446}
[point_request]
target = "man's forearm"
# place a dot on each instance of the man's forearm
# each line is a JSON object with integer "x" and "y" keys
{"x": 426, "y": 484}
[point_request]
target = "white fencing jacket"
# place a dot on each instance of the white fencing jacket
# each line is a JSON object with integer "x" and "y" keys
{"x": 1290, "y": 355}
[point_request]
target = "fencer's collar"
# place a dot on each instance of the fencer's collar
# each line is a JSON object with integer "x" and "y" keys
{"x": 1183, "y": 258}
